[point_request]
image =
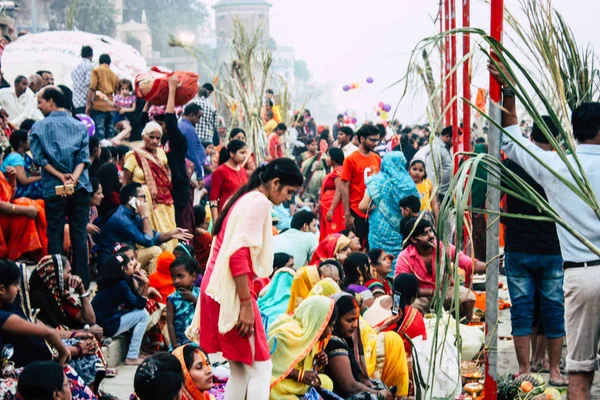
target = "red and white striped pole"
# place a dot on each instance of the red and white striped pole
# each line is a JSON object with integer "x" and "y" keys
{"x": 447, "y": 61}
{"x": 454, "y": 80}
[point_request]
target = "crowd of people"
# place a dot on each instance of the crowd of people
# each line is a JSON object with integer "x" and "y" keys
{"x": 313, "y": 266}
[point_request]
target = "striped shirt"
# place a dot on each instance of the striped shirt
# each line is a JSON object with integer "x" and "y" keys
{"x": 61, "y": 141}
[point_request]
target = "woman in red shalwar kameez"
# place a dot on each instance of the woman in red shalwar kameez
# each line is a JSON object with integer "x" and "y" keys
{"x": 242, "y": 250}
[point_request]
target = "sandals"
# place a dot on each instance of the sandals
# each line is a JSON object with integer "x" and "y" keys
{"x": 561, "y": 383}
{"x": 111, "y": 372}
{"x": 539, "y": 368}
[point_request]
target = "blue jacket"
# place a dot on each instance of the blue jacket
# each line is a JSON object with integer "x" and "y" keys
{"x": 113, "y": 302}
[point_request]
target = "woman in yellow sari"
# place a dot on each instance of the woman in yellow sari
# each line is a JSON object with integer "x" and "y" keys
{"x": 297, "y": 344}
{"x": 304, "y": 280}
{"x": 148, "y": 166}
{"x": 384, "y": 353}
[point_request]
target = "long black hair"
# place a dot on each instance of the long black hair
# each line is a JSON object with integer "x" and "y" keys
{"x": 158, "y": 377}
{"x": 355, "y": 265}
{"x": 9, "y": 273}
{"x": 232, "y": 147}
{"x": 407, "y": 286}
{"x": 40, "y": 379}
{"x": 112, "y": 271}
{"x": 283, "y": 168}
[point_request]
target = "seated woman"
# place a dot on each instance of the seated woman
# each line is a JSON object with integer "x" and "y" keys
{"x": 158, "y": 377}
{"x": 384, "y": 354}
{"x": 304, "y": 280}
{"x": 50, "y": 292}
{"x": 346, "y": 366}
{"x": 197, "y": 372}
{"x": 28, "y": 183}
{"x": 18, "y": 325}
{"x": 280, "y": 260}
{"x": 119, "y": 307}
{"x": 22, "y": 222}
{"x": 381, "y": 263}
{"x": 334, "y": 246}
{"x": 411, "y": 323}
{"x": 357, "y": 272}
{"x": 274, "y": 298}
{"x": 297, "y": 344}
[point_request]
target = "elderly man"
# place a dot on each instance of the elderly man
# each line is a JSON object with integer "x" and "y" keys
{"x": 35, "y": 83}
{"x": 59, "y": 144}
{"x": 19, "y": 103}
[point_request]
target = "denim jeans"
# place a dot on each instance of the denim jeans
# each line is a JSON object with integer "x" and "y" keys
{"x": 103, "y": 121}
{"x": 530, "y": 273}
{"x": 76, "y": 208}
{"x": 138, "y": 320}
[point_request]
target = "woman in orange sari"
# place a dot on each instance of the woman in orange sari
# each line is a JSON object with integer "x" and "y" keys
{"x": 330, "y": 201}
{"x": 148, "y": 166}
{"x": 22, "y": 222}
{"x": 197, "y": 372}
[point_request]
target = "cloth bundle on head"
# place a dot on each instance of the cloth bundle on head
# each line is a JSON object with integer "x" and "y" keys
{"x": 161, "y": 279}
{"x": 379, "y": 311}
{"x": 153, "y": 86}
{"x": 246, "y": 227}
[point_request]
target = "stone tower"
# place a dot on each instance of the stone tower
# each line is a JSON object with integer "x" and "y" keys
{"x": 252, "y": 13}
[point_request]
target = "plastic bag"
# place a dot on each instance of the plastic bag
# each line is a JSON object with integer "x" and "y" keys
{"x": 445, "y": 382}
{"x": 153, "y": 86}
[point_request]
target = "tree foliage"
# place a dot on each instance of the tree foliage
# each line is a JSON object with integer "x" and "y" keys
{"x": 83, "y": 15}
{"x": 166, "y": 17}
{"x": 301, "y": 70}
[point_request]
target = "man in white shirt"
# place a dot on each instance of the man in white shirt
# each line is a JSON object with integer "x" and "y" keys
{"x": 581, "y": 265}
{"x": 344, "y": 141}
{"x": 300, "y": 241}
{"x": 20, "y": 103}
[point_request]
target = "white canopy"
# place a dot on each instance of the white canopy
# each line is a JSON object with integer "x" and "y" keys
{"x": 60, "y": 52}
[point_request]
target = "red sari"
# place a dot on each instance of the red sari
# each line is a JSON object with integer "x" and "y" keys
{"x": 338, "y": 223}
{"x": 412, "y": 326}
{"x": 21, "y": 235}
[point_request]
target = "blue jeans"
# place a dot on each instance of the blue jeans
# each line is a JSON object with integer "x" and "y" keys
{"x": 526, "y": 275}
{"x": 103, "y": 121}
{"x": 138, "y": 320}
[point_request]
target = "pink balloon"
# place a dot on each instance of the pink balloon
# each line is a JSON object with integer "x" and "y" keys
{"x": 381, "y": 104}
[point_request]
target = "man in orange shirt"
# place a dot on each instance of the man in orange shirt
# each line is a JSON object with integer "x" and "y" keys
{"x": 357, "y": 167}
{"x": 274, "y": 144}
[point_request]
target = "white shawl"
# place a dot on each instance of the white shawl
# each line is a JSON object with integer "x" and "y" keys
{"x": 249, "y": 224}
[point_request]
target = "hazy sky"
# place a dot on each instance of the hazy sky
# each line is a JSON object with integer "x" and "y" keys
{"x": 349, "y": 40}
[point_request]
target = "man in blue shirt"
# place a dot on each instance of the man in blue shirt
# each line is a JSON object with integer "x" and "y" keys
{"x": 300, "y": 241}
{"x": 130, "y": 224}
{"x": 195, "y": 150}
{"x": 59, "y": 144}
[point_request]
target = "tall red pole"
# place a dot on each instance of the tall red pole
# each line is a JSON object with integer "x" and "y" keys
{"x": 454, "y": 80}
{"x": 466, "y": 22}
{"x": 493, "y": 231}
{"x": 442, "y": 61}
{"x": 447, "y": 60}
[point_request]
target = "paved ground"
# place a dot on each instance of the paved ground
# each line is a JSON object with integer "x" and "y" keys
{"x": 122, "y": 385}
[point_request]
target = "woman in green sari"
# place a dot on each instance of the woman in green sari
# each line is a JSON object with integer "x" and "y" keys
{"x": 273, "y": 300}
{"x": 313, "y": 169}
{"x": 297, "y": 344}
